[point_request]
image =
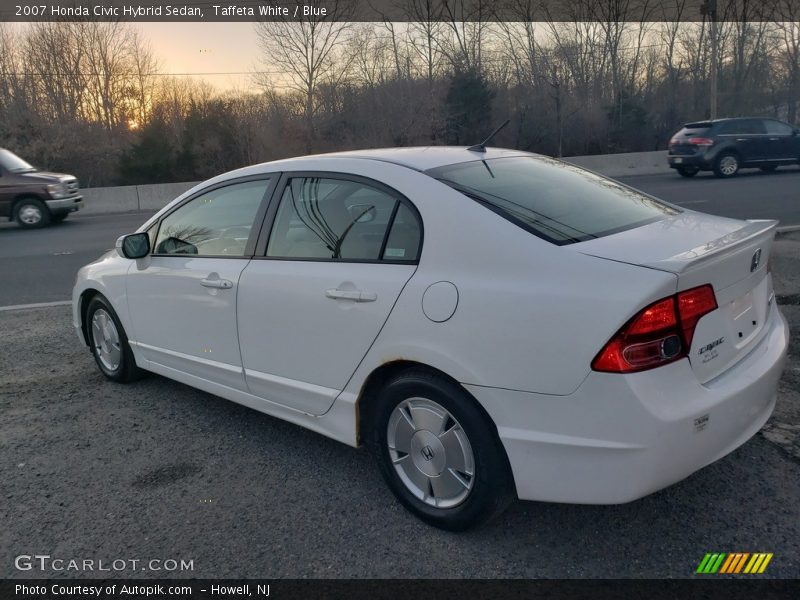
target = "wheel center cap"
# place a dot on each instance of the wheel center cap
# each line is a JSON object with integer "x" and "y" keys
{"x": 428, "y": 453}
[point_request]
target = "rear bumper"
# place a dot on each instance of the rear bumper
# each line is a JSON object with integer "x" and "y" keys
{"x": 62, "y": 205}
{"x": 621, "y": 437}
{"x": 690, "y": 160}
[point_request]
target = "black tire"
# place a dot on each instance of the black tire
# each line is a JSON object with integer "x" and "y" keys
{"x": 31, "y": 213}
{"x": 769, "y": 168}
{"x": 727, "y": 164}
{"x": 688, "y": 171}
{"x": 126, "y": 369}
{"x": 491, "y": 483}
{"x": 58, "y": 217}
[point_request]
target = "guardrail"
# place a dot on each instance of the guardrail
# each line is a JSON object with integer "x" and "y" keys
{"x": 131, "y": 198}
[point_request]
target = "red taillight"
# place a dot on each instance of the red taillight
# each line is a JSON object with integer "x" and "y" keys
{"x": 654, "y": 318}
{"x": 692, "y": 305}
{"x": 700, "y": 141}
{"x": 659, "y": 334}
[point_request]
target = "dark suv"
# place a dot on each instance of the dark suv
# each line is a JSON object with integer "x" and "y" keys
{"x": 35, "y": 198}
{"x": 727, "y": 145}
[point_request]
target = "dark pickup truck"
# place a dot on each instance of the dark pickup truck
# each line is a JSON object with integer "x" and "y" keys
{"x": 35, "y": 198}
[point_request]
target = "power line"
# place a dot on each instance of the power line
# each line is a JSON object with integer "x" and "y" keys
{"x": 133, "y": 74}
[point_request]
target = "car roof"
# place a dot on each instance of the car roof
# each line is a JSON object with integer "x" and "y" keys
{"x": 708, "y": 123}
{"x": 420, "y": 158}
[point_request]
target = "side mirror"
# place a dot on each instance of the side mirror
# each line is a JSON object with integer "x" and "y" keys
{"x": 796, "y": 131}
{"x": 133, "y": 245}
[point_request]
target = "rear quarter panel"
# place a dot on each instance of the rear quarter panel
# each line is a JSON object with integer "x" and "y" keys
{"x": 530, "y": 316}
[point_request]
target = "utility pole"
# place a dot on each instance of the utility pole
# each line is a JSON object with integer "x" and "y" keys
{"x": 709, "y": 9}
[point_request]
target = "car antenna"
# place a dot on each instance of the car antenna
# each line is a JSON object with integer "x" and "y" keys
{"x": 482, "y": 146}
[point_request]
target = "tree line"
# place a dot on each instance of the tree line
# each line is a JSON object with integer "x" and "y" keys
{"x": 92, "y": 99}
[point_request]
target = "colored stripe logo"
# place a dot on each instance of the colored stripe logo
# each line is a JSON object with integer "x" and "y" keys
{"x": 734, "y": 563}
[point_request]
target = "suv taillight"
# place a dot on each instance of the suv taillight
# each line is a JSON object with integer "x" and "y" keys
{"x": 659, "y": 334}
{"x": 701, "y": 141}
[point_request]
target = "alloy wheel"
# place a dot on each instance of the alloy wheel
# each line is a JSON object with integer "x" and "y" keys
{"x": 728, "y": 165}
{"x": 430, "y": 452}
{"x": 106, "y": 340}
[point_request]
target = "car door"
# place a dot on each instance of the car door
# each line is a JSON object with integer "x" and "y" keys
{"x": 182, "y": 297}
{"x": 337, "y": 252}
{"x": 6, "y": 194}
{"x": 780, "y": 141}
{"x": 751, "y": 140}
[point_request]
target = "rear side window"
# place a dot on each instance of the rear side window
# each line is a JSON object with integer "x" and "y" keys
{"x": 404, "y": 237}
{"x": 739, "y": 127}
{"x": 727, "y": 128}
{"x": 558, "y": 202}
{"x": 339, "y": 219}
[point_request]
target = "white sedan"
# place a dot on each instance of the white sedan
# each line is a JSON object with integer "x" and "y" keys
{"x": 490, "y": 323}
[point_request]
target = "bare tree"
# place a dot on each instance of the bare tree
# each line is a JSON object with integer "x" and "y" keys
{"x": 55, "y": 57}
{"x": 466, "y": 25}
{"x": 788, "y": 40}
{"x": 424, "y": 32}
{"x": 307, "y": 54}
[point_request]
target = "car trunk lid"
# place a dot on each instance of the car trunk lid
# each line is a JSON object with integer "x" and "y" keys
{"x": 700, "y": 249}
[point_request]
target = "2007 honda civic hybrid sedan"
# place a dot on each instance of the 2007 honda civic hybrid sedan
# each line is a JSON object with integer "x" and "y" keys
{"x": 490, "y": 324}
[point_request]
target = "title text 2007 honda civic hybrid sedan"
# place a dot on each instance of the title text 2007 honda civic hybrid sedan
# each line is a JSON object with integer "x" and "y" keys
{"x": 490, "y": 324}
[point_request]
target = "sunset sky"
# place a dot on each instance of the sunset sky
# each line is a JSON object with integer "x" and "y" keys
{"x": 206, "y": 48}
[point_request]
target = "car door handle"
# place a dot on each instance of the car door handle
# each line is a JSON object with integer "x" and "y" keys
{"x": 222, "y": 284}
{"x": 774, "y": 139}
{"x": 354, "y": 295}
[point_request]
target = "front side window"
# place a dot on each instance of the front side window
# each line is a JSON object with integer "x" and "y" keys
{"x": 339, "y": 219}
{"x": 556, "y": 201}
{"x": 217, "y": 223}
{"x": 778, "y": 128}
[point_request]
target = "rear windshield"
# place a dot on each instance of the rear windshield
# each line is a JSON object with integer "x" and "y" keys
{"x": 556, "y": 201}
{"x": 694, "y": 130}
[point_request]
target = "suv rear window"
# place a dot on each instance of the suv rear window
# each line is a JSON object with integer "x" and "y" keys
{"x": 553, "y": 200}
{"x": 693, "y": 130}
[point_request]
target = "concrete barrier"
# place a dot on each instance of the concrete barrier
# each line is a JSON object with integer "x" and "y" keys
{"x": 621, "y": 165}
{"x": 129, "y": 198}
{"x": 155, "y": 196}
{"x": 110, "y": 199}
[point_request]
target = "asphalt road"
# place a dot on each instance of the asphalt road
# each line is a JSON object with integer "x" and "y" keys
{"x": 158, "y": 470}
{"x": 39, "y": 265}
{"x": 750, "y": 195}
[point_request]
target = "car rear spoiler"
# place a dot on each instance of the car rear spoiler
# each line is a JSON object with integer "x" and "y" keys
{"x": 692, "y": 258}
